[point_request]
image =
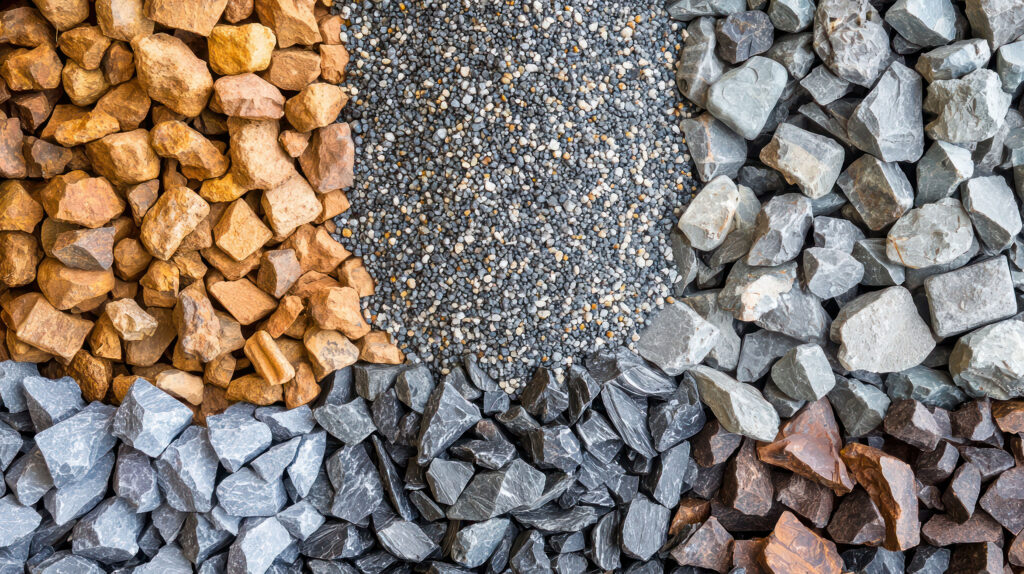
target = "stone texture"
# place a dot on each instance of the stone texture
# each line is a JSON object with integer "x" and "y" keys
{"x": 171, "y": 74}
{"x": 888, "y": 123}
{"x": 811, "y": 161}
{"x": 741, "y": 35}
{"x": 716, "y": 150}
{"x": 880, "y": 192}
{"x": 923, "y": 22}
{"x": 148, "y": 419}
{"x": 954, "y": 61}
{"x": 743, "y": 97}
{"x": 933, "y": 234}
{"x": 676, "y": 338}
{"x": 860, "y": 406}
{"x": 987, "y": 362}
{"x": 991, "y": 206}
{"x": 851, "y": 41}
{"x": 710, "y": 214}
{"x": 792, "y": 547}
{"x": 699, "y": 65}
{"x": 903, "y": 343}
{"x": 740, "y": 407}
{"x": 968, "y": 109}
{"x": 890, "y": 484}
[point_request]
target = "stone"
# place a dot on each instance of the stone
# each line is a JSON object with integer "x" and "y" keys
{"x": 923, "y": 22}
{"x": 49, "y": 402}
{"x": 887, "y": 123}
{"x": 21, "y": 256}
{"x": 349, "y": 423}
{"x": 197, "y": 157}
{"x": 890, "y": 484}
{"x": 707, "y": 547}
{"x": 19, "y": 210}
{"x": 240, "y": 233}
{"x": 554, "y": 447}
{"x": 986, "y": 200}
{"x": 941, "y": 171}
{"x": 676, "y": 338}
{"x": 962, "y": 493}
{"x": 74, "y": 499}
{"x": 739, "y": 407}
{"x": 245, "y": 494}
{"x": 108, "y": 533}
{"x": 861, "y": 407}
{"x": 710, "y": 215}
{"x": 171, "y": 74}
{"x": 131, "y": 322}
{"x": 237, "y": 437}
{"x": 627, "y": 416}
{"x": 73, "y": 446}
{"x": 850, "y": 39}
{"x": 293, "y": 68}
{"x": 257, "y": 546}
{"x": 35, "y": 69}
{"x": 968, "y": 109}
{"x": 643, "y": 528}
{"x": 493, "y": 493}
{"x": 791, "y": 15}
{"x": 741, "y": 35}
{"x": 149, "y": 419}
{"x": 804, "y": 373}
{"x": 751, "y": 292}
{"x": 743, "y": 97}
{"x": 746, "y": 485}
{"x": 257, "y": 159}
{"x": 328, "y": 351}
{"x": 135, "y": 480}
{"x": 725, "y": 352}
{"x": 243, "y": 300}
{"x": 327, "y": 161}
{"x": 824, "y": 86}
{"x": 124, "y": 158}
{"x": 247, "y": 96}
{"x": 79, "y": 199}
{"x": 88, "y": 249}
{"x": 911, "y": 422}
{"x": 174, "y": 215}
{"x": 474, "y": 544}
{"x": 406, "y": 541}
{"x": 904, "y": 343}
{"x": 792, "y": 547}
{"x": 19, "y": 521}
{"x": 337, "y": 308}
{"x": 879, "y": 192}
{"x": 954, "y": 61}
{"x": 293, "y": 21}
{"x": 1004, "y": 500}
{"x": 932, "y": 387}
{"x": 267, "y": 359}
{"x": 186, "y": 471}
{"x": 985, "y": 362}
{"x": 969, "y": 297}
{"x": 995, "y": 21}
{"x": 240, "y": 49}
{"x": 830, "y": 273}
{"x": 90, "y": 127}
{"x": 699, "y": 65}
{"x": 290, "y": 205}
{"x": 315, "y": 106}
{"x": 810, "y": 161}
{"x": 933, "y": 234}
{"x": 879, "y": 270}
{"x": 598, "y": 437}
{"x": 544, "y": 396}
{"x": 928, "y": 560}
{"x": 181, "y": 384}
{"x": 716, "y": 150}
{"x": 1010, "y": 67}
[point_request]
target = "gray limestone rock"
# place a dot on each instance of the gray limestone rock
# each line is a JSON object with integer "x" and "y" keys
{"x": 739, "y": 407}
{"x": 135, "y": 480}
{"x": 881, "y": 332}
{"x": 676, "y": 337}
{"x": 286, "y": 423}
{"x": 301, "y": 520}
{"x": 709, "y": 217}
{"x": 929, "y": 386}
{"x": 1010, "y": 67}
{"x": 990, "y": 203}
{"x": 393, "y": 485}
{"x": 245, "y": 494}
{"x": 686, "y": 10}
{"x": 953, "y": 61}
{"x": 804, "y": 373}
{"x": 810, "y": 161}
{"x": 830, "y": 272}
{"x": 545, "y": 397}
{"x": 795, "y": 53}
{"x": 414, "y": 385}
{"x": 968, "y": 109}
{"x": 678, "y": 418}
{"x": 933, "y": 234}
{"x": 169, "y": 560}
{"x": 670, "y": 475}
{"x": 824, "y": 86}
{"x": 800, "y": 315}
{"x": 969, "y": 297}
{"x": 554, "y": 447}
{"x": 406, "y": 541}
{"x": 726, "y": 349}
{"x": 109, "y": 532}
{"x": 10, "y": 446}
{"x": 302, "y": 472}
{"x": 699, "y": 65}
{"x": 186, "y": 471}
{"x": 16, "y": 521}
{"x": 750, "y": 292}
{"x": 832, "y": 233}
{"x": 350, "y": 423}
{"x": 923, "y": 22}
{"x": 859, "y": 406}
{"x": 28, "y": 477}
{"x": 387, "y": 413}
{"x": 644, "y": 527}
{"x": 271, "y": 464}
{"x": 554, "y": 518}
{"x": 201, "y": 537}
{"x": 237, "y": 437}
{"x": 850, "y": 39}
{"x": 448, "y": 478}
{"x": 785, "y": 405}
{"x": 494, "y": 493}
{"x": 715, "y": 149}
{"x": 148, "y": 418}
{"x": 685, "y": 258}
{"x": 791, "y": 15}
{"x": 527, "y": 553}
{"x": 741, "y": 35}
{"x": 447, "y": 415}
{"x": 168, "y": 521}
{"x": 603, "y": 548}
{"x": 760, "y": 350}
{"x": 257, "y": 546}
{"x": 990, "y": 361}
{"x": 357, "y": 487}
{"x": 998, "y": 21}
{"x": 73, "y": 499}
{"x": 888, "y": 122}
{"x": 743, "y": 98}
{"x": 371, "y": 379}
{"x": 629, "y": 416}
{"x": 941, "y": 171}
{"x": 474, "y": 544}
{"x": 64, "y": 562}
{"x": 51, "y": 401}
{"x": 12, "y": 375}
{"x": 879, "y": 270}
{"x": 879, "y": 192}
{"x": 73, "y": 446}
{"x": 929, "y": 560}
{"x": 598, "y": 437}
{"x": 336, "y": 541}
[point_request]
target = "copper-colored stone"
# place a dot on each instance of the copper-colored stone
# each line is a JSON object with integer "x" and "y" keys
{"x": 24, "y": 26}
{"x": 253, "y": 389}
{"x": 82, "y": 200}
{"x": 93, "y": 375}
{"x": 890, "y": 484}
{"x": 690, "y": 511}
{"x": 792, "y": 548}
{"x": 746, "y": 485}
{"x": 279, "y": 269}
{"x": 293, "y": 142}
{"x": 328, "y": 160}
{"x": 83, "y": 87}
{"x": 247, "y": 96}
{"x": 185, "y": 361}
{"x": 330, "y": 29}
{"x": 267, "y": 359}
{"x": 148, "y": 351}
{"x": 301, "y": 390}
{"x": 90, "y": 127}
{"x": 196, "y": 155}
{"x": 19, "y": 211}
{"x": 746, "y": 554}
{"x": 131, "y": 259}
{"x": 12, "y": 159}
{"x": 66, "y": 288}
{"x": 50, "y": 330}
{"x": 962, "y": 492}
{"x": 20, "y": 351}
{"x": 174, "y": 215}
{"x": 119, "y": 63}
{"x": 288, "y": 310}
{"x": 220, "y": 371}
{"x": 141, "y": 197}
{"x": 85, "y": 45}
{"x": 19, "y": 256}
{"x": 240, "y": 49}
{"x": 32, "y": 70}
{"x": 292, "y": 20}
{"x": 942, "y": 530}
{"x": 311, "y": 283}
{"x": 43, "y": 159}
{"x": 123, "y": 19}
{"x": 293, "y": 69}
{"x": 172, "y": 74}
{"x": 290, "y": 205}
{"x": 811, "y": 500}
{"x": 131, "y": 322}
{"x": 181, "y": 384}
{"x": 89, "y": 249}
{"x": 231, "y": 338}
{"x": 316, "y": 249}
{"x": 337, "y": 308}
{"x": 333, "y": 60}
{"x": 808, "y": 444}
{"x": 104, "y": 341}
{"x": 64, "y": 14}
{"x": 239, "y": 232}
{"x": 246, "y": 302}
{"x": 328, "y": 351}
{"x": 376, "y": 347}
{"x": 710, "y": 546}
{"x": 34, "y": 108}
{"x": 238, "y": 10}
{"x": 196, "y": 17}
{"x": 124, "y": 158}
{"x": 352, "y": 273}
{"x": 1009, "y": 415}
{"x": 222, "y": 189}
{"x": 1015, "y": 553}
{"x": 973, "y": 421}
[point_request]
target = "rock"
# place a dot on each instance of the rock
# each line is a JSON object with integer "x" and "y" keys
{"x": 904, "y": 343}
{"x": 829, "y": 273}
{"x": 954, "y": 61}
{"x": 928, "y": 560}
{"x": 88, "y": 249}
{"x": 79, "y": 199}
{"x": 643, "y": 528}
{"x": 446, "y": 416}
{"x": 248, "y": 96}
{"x": 135, "y": 480}
{"x": 186, "y": 471}
{"x": 490, "y": 494}
{"x": 181, "y": 384}
{"x": 706, "y": 547}
{"x": 941, "y": 171}
{"x": 970, "y": 297}
{"x": 35, "y": 69}
{"x": 598, "y": 437}
{"x": 174, "y": 215}
{"x": 909, "y": 421}
{"x": 879, "y": 191}
{"x": 350, "y": 423}
{"x": 19, "y": 521}
{"x": 290, "y": 205}
{"x": 197, "y": 157}
{"x": 941, "y": 530}
{"x": 740, "y": 408}
{"x": 292, "y": 21}
{"x": 131, "y": 322}
{"x": 741, "y": 35}
{"x": 985, "y": 362}
{"x": 257, "y": 546}
{"x": 699, "y": 65}
{"x": 931, "y": 387}
{"x": 716, "y": 150}
{"x": 544, "y": 396}
{"x": 90, "y": 127}
{"x": 527, "y": 553}
{"x": 245, "y": 494}
{"x": 887, "y": 123}
{"x": 743, "y": 97}
{"x": 240, "y": 49}
{"x": 923, "y": 22}
{"x": 861, "y": 407}
{"x": 406, "y": 541}
{"x": 810, "y": 161}
{"x": 171, "y": 74}
{"x": 357, "y": 485}
{"x": 986, "y": 200}
{"x": 316, "y": 106}
{"x": 685, "y": 10}
{"x": 1004, "y": 500}
{"x": 1010, "y": 67}
{"x": 124, "y": 158}
{"x": 850, "y": 39}
{"x": 196, "y": 19}
{"x": 709, "y": 216}
{"x": 832, "y": 233}
{"x": 475, "y": 543}
{"x": 962, "y": 493}
{"x": 337, "y": 308}
{"x": 890, "y": 484}
{"x": 148, "y": 419}
{"x": 804, "y": 373}
{"x": 791, "y": 15}
{"x": 109, "y": 532}
{"x": 293, "y": 69}
{"x": 824, "y": 86}
{"x": 73, "y": 446}
{"x": 933, "y": 234}
{"x": 968, "y": 109}
{"x": 676, "y": 338}
{"x": 995, "y": 21}
{"x": 879, "y": 270}
{"x": 257, "y": 160}
{"x": 627, "y": 415}
{"x": 49, "y": 402}
{"x": 750, "y": 292}
{"x": 327, "y": 161}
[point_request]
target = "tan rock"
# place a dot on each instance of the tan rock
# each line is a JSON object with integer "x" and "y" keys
{"x": 293, "y": 69}
{"x": 82, "y": 86}
{"x": 376, "y": 347}
{"x": 24, "y": 26}
{"x": 43, "y": 159}
{"x": 312, "y": 282}
{"x": 124, "y": 289}
{"x": 104, "y": 340}
{"x": 141, "y": 197}
{"x": 293, "y": 142}
{"x": 220, "y": 371}
{"x": 160, "y": 284}
{"x": 254, "y": 390}
{"x": 19, "y": 256}
{"x": 333, "y": 60}
{"x": 247, "y": 96}
{"x": 89, "y": 249}
{"x": 316, "y": 249}
{"x": 292, "y": 20}
{"x": 337, "y": 308}
{"x": 198, "y": 326}
{"x": 82, "y": 200}
{"x": 317, "y": 105}
{"x": 290, "y": 205}
{"x": 56, "y": 114}
{"x": 288, "y": 310}
{"x": 180, "y": 384}
{"x": 118, "y": 64}
{"x": 238, "y": 10}
{"x": 49, "y": 231}
{"x": 35, "y": 107}
{"x": 196, "y": 155}
{"x": 352, "y": 273}
{"x": 258, "y": 161}
{"x": 171, "y": 73}
{"x": 19, "y": 211}
{"x": 131, "y": 322}
{"x": 231, "y": 338}
{"x": 50, "y": 330}
{"x": 190, "y": 266}
{"x": 279, "y": 269}
{"x": 124, "y": 158}
{"x": 328, "y": 351}
{"x": 240, "y": 233}
{"x": 12, "y": 158}
{"x": 241, "y": 49}
{"x": 222, "y": 189}
{"x": 302, "y": 389}
{"x": 128, "y": 103}
{"x": 131, "y": 259}
{"x": 267, "y": 359}
{"x": 63, "y": 14}
{"x": 123, "y": 19}
{"x": 174, "y": 215}
{"x": 244, "y": 300}
{"x": 30, "y": 70}
{"x": 162, "y": 113}
{"x": 330, "y": 29}
{"x": 214, "y": 403}
{"x": 196, "y": 17}
{"x": 226, "y": 264}
{"x": 90, "y": 127}
{"x": 148, "y": 351}
{"x": 93, "y": 375}
{"x": 328, "y": 160}
{"x": 85, "y": 45}
{"x": 183, "y": 361}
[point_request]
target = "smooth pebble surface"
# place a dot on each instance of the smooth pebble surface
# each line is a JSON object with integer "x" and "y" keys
{"x": 519, "y": 167}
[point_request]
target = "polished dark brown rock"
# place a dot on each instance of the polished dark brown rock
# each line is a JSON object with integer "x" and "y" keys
{"x": 747, "y": 484}
{"x": 973, "y": 421}
{"x": 1004, "y": 500}
{"x": 792, "y": 548}
{"x": 937, "y": 465}
{"x": 890, "y": 483}
{"x": 1009, "y": 416}
{"x": 690, "y": 511}
{"x": 941, "y": 530}
{"x": 812, "y": 500}
{"x": 962, "y": 493}
{"x": 710, "y": 546}
{"x": 713, "y": 444}
{"x": 746, "y": 554}
{"x": 911, "y": 422}
{"x": 857, "y": 521}
{"x": 808, "y": 444}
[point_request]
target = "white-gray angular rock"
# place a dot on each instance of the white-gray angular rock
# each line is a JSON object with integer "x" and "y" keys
{"x": 953, "y": 61}
{"x": 860, "y": 407}
{"x": 201, "y": 537}
{"x": 257, "y": 546}
{"x": 709, "y": 217}
{"x": 800, "y": 315}
{"x": 686, "y": 10}
{"x": 447, "y": 415}
{"x": 675, "y": 338}
{"x": 715, "y": 149}
{"x": 804, "y": 373}
{"x": 74, "y": 445}
{"x": 494, "y": 493}
{"x": 64, "y": 562}
{"x": 475, "y": 543}
{"x": 28, "y": 478}
{"x": 739, "y": 407}
{"x": 743, "y": 98}
{"x": 300, "y": 520}
{"x": 824, "y": 86}
{"x": 109, "y": 533}
{"x": 881, "y": 332}
{"x": 941, "y": 171}
{"x": 933, "y": 234}
{"x": 879, "y": 191}
{"x": 989, "y": 362}
{"x": 931, "y": 387}
{"x": 628, "y": 415}
{"x": 448, "y": 478}
{"x": 726, "y": 349}
{"x": 1010, "y": 67}
{"x": 135, "y": 480}
{"x": 148, "y": 418}
{"x": 743, "y": 34}
{"x": 699, "y": 66}
{"x": 12, "y": 374}
{"x": 10, "y": 445}
{"x": 168, "y": 521}
{"x": 888, "y": 122}
{"x": 795, "y": 53}
{"x": 832, "y": 233}
{"x": 879, "y": 270}
{"x": 791, "y": 15}
{"x": 811, "y": 161}
{"x": 850, "y": 38}
{"x": 74, "y": 499}
{"x": 990, "y": 203}
{"x": 302, "y": 472}
{"x": 923, "y": 22}
{"x": 969, "y": 297}
{"x": 237, "y": 437}
{"x": 406, "y": 541}
{"x": 619, "y": 365}
{"x": 51, "y": 401}
{"x": 169, "y": 560}
{"x": 245, "y": 494}
{"x": 998, "y": 21}
{"x": 357, "y": 487}
{"x": 830, "y": 272}
{"x": 969, "y": 109}
{"x": 350, "y": 423}
{"x": 750, "y": 292}
{"x": 676, "y": 419}
{"x": 16, "y": 521}
{"x": 414, "y": 385}
{"x": 286, "y": 423}
{"x": 644, "y": 528}
{"x": 555, "y": 447}
{"x": 186, "y": 471}
{"x": 598, "y": 437}
{"x": 272, "y": 464}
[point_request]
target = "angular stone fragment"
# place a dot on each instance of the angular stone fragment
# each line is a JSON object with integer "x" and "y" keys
{"x": 879, "y": 191}
{"x": 941, "y": 171}
{"x": 257, "y": 546}
{"x": 792, "y": 547}
{"x": 131, "y": 322}
{"x": 240, "y": 49}
{"x": 740, "y": 407}
{"x": 197, "y": 157}
{"x": 19, "y": 521}
{"x": 931, "y": 387}
{"x": 699, "y": 65}
{"x": 1010, "y": 67}
{"x": 643, "y": 528}
{"x": 174, "y": 215}
{"x": 337, "y": 308}
{"x": 923, "y": 22}
{"x": 997, "y": 22}
{"x": 49, "y": 402}
{"x": 1004, "y": 500}
{"x": 741, "y": 35}
{"x": 709, "y": 216}
{"x": 172, "y": 74}
{"x": 81, "y": 200}
{"x": 804, "y": 373}
{"x": 135, "y": 480}
{"x": 716, "y": 150}
{"x": 962, "y": 493}
{"x": 406, "y": 541}
{"x": 750, "y": 292}
{"x": 73, "y": 446}
{"x": 824, "y": 86}
{"x": 475, "y": 543}
{"x": 316, "y": 106}
{"x": 109, "y": 532}
{"x": 909, "y": 421}
{"x": 829, "y": 273}
{"x": 991, "y": 206}
{"x": 198, "y": 19}
{"x": 490, "y": 494}
{"x": 186, "y": 471}
{"x": 968, "y": 109}
{"x": 849, "y": 37}
{"x": 933, "y": 234}
{"x": 124, "y": 158}
{"x": 148, "y": 419}
{"x": 954, "y": 61}
{"x": 904, "y": 342}
{"x": 988, "y": 361}
{"x": 676, "y": 338}
{"x": 88, "y": 249}
{"x": 970, "y": 297}
{"x": 810, "y": 161}
{"x": 887, "y": 123}
{"x": 35, "y": 69}
{"x": 879, "y": 270}
{"x": 861, "y": 407}
{"x": 743, "y": 97}
{"x": 292, "y": 21}
{"x": 247, "y": 96}
{"x": 258, "y": 162}
{"x": 290, "y": 205}
{"x": 890, "y": 484}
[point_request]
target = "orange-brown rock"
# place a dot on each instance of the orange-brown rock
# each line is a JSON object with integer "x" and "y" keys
{"x": 333, "y": 60}
{"x": 240, "y": 49}
{"x": 124, "y": 289}
{"x": 808, "y": 444}
{"x": 19, "y": 211}
{"x": 131, "y": 259}
{"x": 43, "y": 159}
{"x": 50, "y": 330}
{"x": 231, "y": 338}
{"x": 90, "y": 127}
{"x": 55, "y": 115}
{"x": 292, "y": 21}
{"x": 333, "y": 203}
{"x": 288, "y": 310}
{"x": 148, "y": 351}
{"x": 279, "y": 269}
{"x": 82, "y": 86}
{"x": 49, "y": 231}
{"x": 171, "y": 73}
{"x": 160, "y": 284}
{"x": 328, "y": 160}
{"x": 352, "y": 273}
{"x": 12, "y": 158}
{"x": 254, "y": 390}
{"x": 240, "y": 232}
{"x": 792, "y": 548}
{"x": 376, "y": 347}
{"x": 24, "y": 26}
{"x": 35, "y": 107}
{"x": 199, "y": 328}
{"x": 184, "y": 361}
{"x": 222, "y": 189}
{"x": 890, "y": 483}
{"x": 63, "y": 14}
{"x": 293, "y": 142}
{"x": 267, "y": 359}
{"x": 131, "y": 321}
{"x": 220, "y": 371}
{"x": 247, "y": 96}
{"x": 128, "y": 103}
{"x": 312, "y": 282}
{"x": 174, "y": 215}
{"x": 257, "y": 160}
{"x": 19, "y": 256}
{"x": 1009, "y": 415}
{"x": 215, "y": 402}
{"x": 30, "y": 70}
{"x": 290, "y": 205}
{"x": 66, "y": 288}
{"x": 747, "y": 554}
{"x": 246, "y": 302}
{"x": 330, "y": 28}
{"x": 238, "y": 10}
{"x": 120, "y": 385}
{"x": 85, "y": 45}
{"x": 710, "y": 547}
{"x": 119, "y": 63}
{"x": 230, "y": 268}
{"x": 328, "y": 351}
{"x": 141, "y": 197}
{"x": 124, "y": 158}
{"x": 337, "y": 308}
{"x": 185, "y": 386}
{"x": 197, "y": 157}
{"x": 196, "y": 17}
{"x": 104, "y": 340}
{"x": 89, "y": 249}
{"x": 21, "y": 351}
{"x": 293, "y": 69}
{"x": 302, "y": 389}
{"x": 690, "y": 511}
{"x": 747, "y": 483}
{"x": 316, "y": 106}
{"x": 93, "y": 375}
{"x": 123, "y": 19}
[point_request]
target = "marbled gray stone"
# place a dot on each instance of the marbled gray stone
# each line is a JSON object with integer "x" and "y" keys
{"x": 879, "y": 191}
{"x": 628, "y": 416}
{"x": 990, "y": 361}
{"x": 830, "y": 272}
{"x": 148, "y": 418}
{"x": 670, "y": 475}
{"x": 73, "y": 446}
{"x": 881, "y": 331}
{"x": 750, "y": 292}
{"x": 237, "y": 437}
{"x": 715, "y": 149}
{"x": 372, "y": 379}
{"x": 678, "y": 418}
{"x": 448, "y": 478}
{"x": 544, "y": 397}
{"x": 109, "y": 532}
{"x": 941, "y": 171}
{"x": 350, "y": 423}
{"x": 811, "y": 161}
{"x": 64, "y": 562}
{"x": 271, "y": 464}
{"x": 169, "y": 560}
{"x": 933, "y": 234}
{"x": 1010, "y": 67}
{"x": 929, "y": 386}
{"x": 135, "y": 480}
{"x": 743, "y": 98}
{"x": 791, "y": 15}
{"x": 968, "y": 109}
{"x": 494, "y": 493}
{"x": 598, "y": 437}
{"x": 879, "y": 270}
{"x": 475, "y": 543}
{"x": 257, "y": 546}
{"x": 644, "y": 527}
{"x": 186, "y": 471}
{"x": 16, "y": 521}
{"x": 302, "y": 472}
{"x": 406, "y": 541}
{"x": 742, "y": 35}
{"x": 447, "y": 415}
{"x": 739, "y": 407}
{"x": 795, "y": 53}
{"x": 850, "y": 38}
{"x": 286, "y": 423}
{"x": 953, "y": 61}
{"x": 998, "y": 21}
{"x": 414, "y": 385}
{"x": 699, "y": 64}
{"x": 12, "y": 374}
{"x": 804, "y": 373}
{"x": 686, "y": 10}
{"x": 393, "y": 485}
{"x": 201, "y": 537}
{"x": 336, "y": 541}
{"x": 785, "y": 405}
{"x": 993, "y": 210}
{"x": 357, "y": 487}
{"x": 860, "y": 407}
{"x": 245, "y": 494}
{"x": 28, "y": 477}
{"x": 832, "y": 233}
{"x": 10, "y": 445}
{"x": 73, "y": 499}
{"x": 888, "y": 122}
{"x": 301, "y": 520}
{"x": 51, "y": 401}
{"x": 923, "y": 22}
{"x": 554, "y": 447}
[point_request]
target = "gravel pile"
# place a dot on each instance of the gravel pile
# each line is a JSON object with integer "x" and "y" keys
{"x": 518, "y": 167}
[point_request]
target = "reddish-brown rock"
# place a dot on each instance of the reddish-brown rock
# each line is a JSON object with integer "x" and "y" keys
{"x": 333, "y": 60}
{"x": 24, "y": 26}
{"x": 199, "y": 328}
{"x": 257, "y": 160}
{"x": 239, "y": 232}
{"x": 67, "y": 288}
{"x": 83, "y": 87}
{"x": 690, "y": 511}
{"x": 172, "y": 74}
{"x": 293, "y": 69}
{"x": 1004, "y": 499}
{"x": 93, "y": 375}
{"x": 50, "y": 330}
{"x": 85, "y": 45}
{"x": 1009, "y": 415}
{"x": 290, "y": 205}
{"x": 942, "y": 530}
{"x": 19, "y": 211}
{"x": 302, "y": 389}
{"x": 328, "y": 351}
{"x": 123, "y": 19}
{"x": 710, "y": 547}
{"x": 962, "y": 492}
{"x": 248, "y": 96}
{"x": 131, "y": 259}
{"x": 34, "y": 108}
{"x": 238, "y": 10}
{"x": 808, "y": 444}
{"x": 747, "y": 484}
{"x": 352, "y": 273}
{"x": 19, "y": 256}
{"x": 90, "y": 127}
{"x": 131, "y": 321}
{"x": 244, "y": 300}
{"x": 12, "y": 159}
{"x": 63, "y": 14}
{"x": 279, "y": 269}
{"x": 32, "y": 70}
{"x": 376, "y": 347}
{"x": 293, "y": 142}
{"x": 104, "y": 341}
{"x": 890, "y": 483}
{"x": 711, "y": 446}
{"x": 119, "y": 63}
{"x": 254, "y": 390}
{"x": 792, "y": 548}
{"x": 810, "y": 499}
{"x": 328, "y": 160}
{"x": 197, "y": 157}
{"x": 43, "y": 159}
{"x": 337, "y": 308}
{"x": 128, "y": 103}
{"x": 89, "y": 249}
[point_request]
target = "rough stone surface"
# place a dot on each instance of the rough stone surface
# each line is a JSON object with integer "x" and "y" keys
{"x": 903, "y": 342}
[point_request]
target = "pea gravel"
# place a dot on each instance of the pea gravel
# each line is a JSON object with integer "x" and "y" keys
{"x": 519, "y": 167}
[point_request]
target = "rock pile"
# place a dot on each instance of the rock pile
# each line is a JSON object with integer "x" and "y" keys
{"x": 153, "y": 220}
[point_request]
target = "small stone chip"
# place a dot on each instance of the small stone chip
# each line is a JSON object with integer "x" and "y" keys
{"x": 990, "y": 203}
{"x": 888, "y": 123}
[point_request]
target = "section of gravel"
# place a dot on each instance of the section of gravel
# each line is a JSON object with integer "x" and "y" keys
{"x": 518, "y": 168}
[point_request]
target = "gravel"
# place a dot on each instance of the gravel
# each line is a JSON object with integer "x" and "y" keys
{"x": 519, "y": 167}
